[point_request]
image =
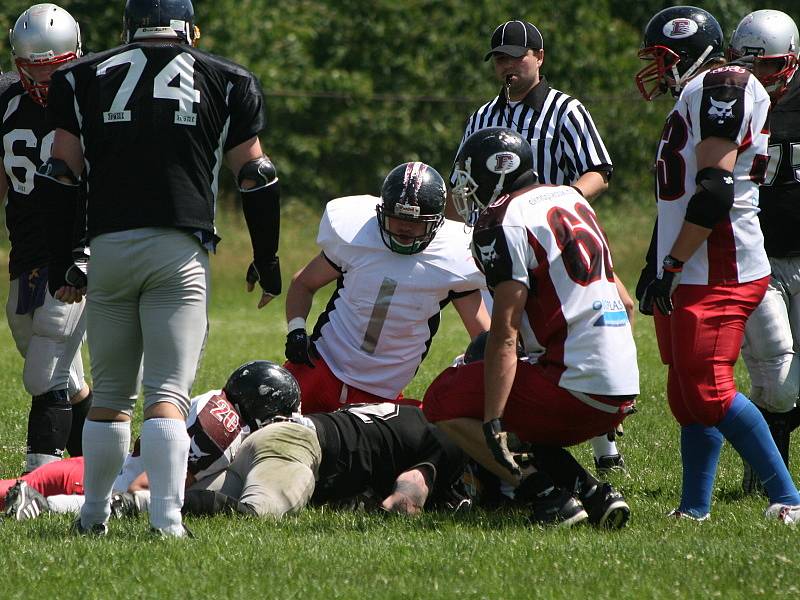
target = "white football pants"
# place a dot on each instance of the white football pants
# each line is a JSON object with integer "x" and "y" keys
{"x": 49, "y": 339}
{"x": 771, "y": 340}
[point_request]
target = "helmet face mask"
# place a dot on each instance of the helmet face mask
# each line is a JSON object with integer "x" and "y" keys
{"x": 262, "y": 391}
{"x": 678, "y": 41}
{"x": 44, "y": 37}
{"x": 487, "y": 166}
{"x": 771, "y": 38}
{"x": 412, "y": 210}
{"x": 171, "y": 20}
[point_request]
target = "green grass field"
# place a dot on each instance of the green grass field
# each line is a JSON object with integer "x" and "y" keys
{"x": 324, "y": 554}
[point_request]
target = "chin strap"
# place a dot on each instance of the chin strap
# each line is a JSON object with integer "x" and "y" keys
{"x": 680, "y": 80}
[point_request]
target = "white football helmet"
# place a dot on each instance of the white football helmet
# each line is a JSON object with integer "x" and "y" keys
{"x": 45, "y": 34}
{"x": 771, "y": 37}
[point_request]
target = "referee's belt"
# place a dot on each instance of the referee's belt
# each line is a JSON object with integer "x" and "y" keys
{"x": 622, "y": 405}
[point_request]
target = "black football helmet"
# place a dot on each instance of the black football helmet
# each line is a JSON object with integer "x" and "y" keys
{"x": 412, "y": 192}
{"x": 678, "y": 41}
{"x": 488, "y": 164}
{"x": 170, "y": 19}
{"x": 262, "y": 390}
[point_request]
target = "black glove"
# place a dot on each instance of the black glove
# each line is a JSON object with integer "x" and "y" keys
{"x": 76, "y": 273}
{"x": 267, "y": 273}
{"x": 659, "y": 291}
{"x": 497, "y": 440}
{"x": 298, "y": 348}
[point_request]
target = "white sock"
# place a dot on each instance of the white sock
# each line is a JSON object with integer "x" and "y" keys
{"x": 34, "y": 461}
{"x": 142, "y": 499}
{"x": 165, "y": 450}
{"x": 104, "y": 448}
{"x": 65, "y": 504}
{"x": 602, "y": 447}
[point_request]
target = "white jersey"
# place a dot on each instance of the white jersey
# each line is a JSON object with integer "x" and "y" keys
{"x": 548, "y": 238}
{"x": 727, "y": 103}
{"x": 378, "y": 326}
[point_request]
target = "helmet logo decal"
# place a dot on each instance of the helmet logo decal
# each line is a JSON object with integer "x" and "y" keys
{"x": 721, "y": 111}
{"x": 412, "y": 182}
{"x": 678, "y": 29}
{"x": 503, "y": 162}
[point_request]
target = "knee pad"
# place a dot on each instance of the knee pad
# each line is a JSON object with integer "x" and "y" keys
{"x": 49, "y": 423}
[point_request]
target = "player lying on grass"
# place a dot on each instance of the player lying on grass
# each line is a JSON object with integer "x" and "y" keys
{"x": 385, "y": 449}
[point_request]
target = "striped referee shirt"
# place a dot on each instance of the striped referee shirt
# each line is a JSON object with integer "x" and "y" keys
{"x": 561, "y": 132}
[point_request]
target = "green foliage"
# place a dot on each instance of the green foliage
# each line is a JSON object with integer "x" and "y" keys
{"x": 354, "y": 87}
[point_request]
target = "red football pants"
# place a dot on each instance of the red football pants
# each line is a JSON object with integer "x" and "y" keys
{"x": 700, "y": 342}
{"x": 58, "y": 477}
{"x": 538, "y": 410}
{"x": 322, "y": 391}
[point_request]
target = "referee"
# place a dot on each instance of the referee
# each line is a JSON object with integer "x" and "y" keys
{"x": 567, "y": 148}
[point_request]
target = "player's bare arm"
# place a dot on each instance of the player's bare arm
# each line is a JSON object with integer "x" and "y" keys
{"x": 500, "y": 363}
{"x": 473, "y": 313}
{"x": 305, "y": 283}
{"x": 591, "y": 184}
{"x": 259, "y": 187}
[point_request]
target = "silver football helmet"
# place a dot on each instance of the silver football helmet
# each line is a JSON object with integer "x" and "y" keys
{"x": 771, "y": 37}
{"x": 44, "y": 35}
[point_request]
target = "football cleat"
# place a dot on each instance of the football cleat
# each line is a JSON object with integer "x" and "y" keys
{"x": 23, "y": 502}
{"x": 176, "y": 531}
{"x": 124, "y": 505}
{"x": 609, "y": 464}
{"x": 681, "y": 515}
{"x": 606, "y": 507}
{"x": 558, "y": 507}
{"x": 94, "y": 530}
{"x": 785, "y": 513}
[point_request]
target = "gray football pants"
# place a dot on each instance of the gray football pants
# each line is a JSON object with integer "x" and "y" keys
{"x": 49, "y": 339}
{"x": 146, "y": 304}
{"x": 274, "y": 471}
{"x": 771, "y": 336}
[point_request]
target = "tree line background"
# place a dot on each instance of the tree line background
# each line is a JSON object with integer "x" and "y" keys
{"x": 354, "y": 87}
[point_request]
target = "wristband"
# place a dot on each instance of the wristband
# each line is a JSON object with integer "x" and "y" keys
{"x": 296, "y": 323}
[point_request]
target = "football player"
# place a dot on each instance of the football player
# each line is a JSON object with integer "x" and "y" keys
{"x": 713, "y": 269}
{"x": 770, "y": 39}
{"x": 387, "y": 451}
{"x": 147, "y": 125}
{"x": 547, "y": 261}
{"x": 217, "y": 424}
{"x": 46, "y": 332}
{"x": 397, "y": 262}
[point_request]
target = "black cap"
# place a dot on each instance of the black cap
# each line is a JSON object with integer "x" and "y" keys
{"x": 514, "y": 38}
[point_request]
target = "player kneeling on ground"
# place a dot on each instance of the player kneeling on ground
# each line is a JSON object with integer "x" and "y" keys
{"x": 547, "y": 261}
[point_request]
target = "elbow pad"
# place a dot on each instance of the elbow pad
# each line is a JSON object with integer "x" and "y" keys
{"x": 261, "y": 170}
{"x": 713, "y": 198}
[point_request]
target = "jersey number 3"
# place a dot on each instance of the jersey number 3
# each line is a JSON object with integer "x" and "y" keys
{"x": 180, "y": 67}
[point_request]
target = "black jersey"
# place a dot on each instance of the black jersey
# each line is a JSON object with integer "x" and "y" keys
{"x": 779, "y": 196}
{"x": 155, "y": 120}
{"x": 25, "y": 143}
{"x": 366, "y": 446}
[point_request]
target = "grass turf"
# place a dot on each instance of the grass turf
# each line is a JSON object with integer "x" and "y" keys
{"x": 325, "y": 554}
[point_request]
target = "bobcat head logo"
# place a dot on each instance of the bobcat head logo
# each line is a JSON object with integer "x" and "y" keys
{"x": 488, "y": 253}
{"x": 721, "y": 111}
